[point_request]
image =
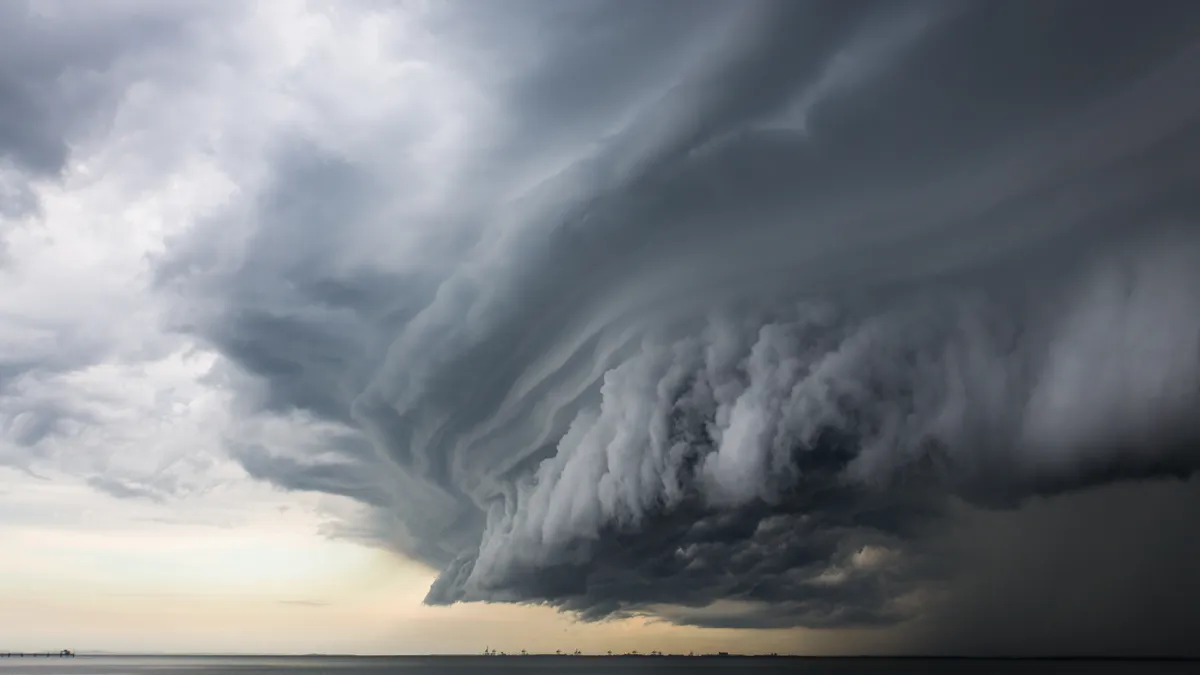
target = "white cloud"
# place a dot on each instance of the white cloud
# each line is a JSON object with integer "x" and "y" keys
{"x": 96, "y": 390}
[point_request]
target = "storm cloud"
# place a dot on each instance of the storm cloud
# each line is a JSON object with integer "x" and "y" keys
{"x": 721, "y": 312}
{"x": 65, "y": 72}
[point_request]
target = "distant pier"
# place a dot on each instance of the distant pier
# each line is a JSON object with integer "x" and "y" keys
{"x": 66, "y": 653}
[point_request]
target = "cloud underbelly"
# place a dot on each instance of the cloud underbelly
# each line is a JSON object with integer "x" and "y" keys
{"x": 748, "y": 450}
{"x": 725, "y": 385}
{"x": 739, "y": 340}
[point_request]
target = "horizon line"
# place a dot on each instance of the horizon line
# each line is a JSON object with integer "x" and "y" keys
{"x": 975, "y": 657}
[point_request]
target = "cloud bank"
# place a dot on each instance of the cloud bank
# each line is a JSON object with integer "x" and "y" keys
{"x": 765, "y": 314}
{"x": 717, "y": 312}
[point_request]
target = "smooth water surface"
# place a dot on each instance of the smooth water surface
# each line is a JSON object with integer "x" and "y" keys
{"x": 475, "y": 665}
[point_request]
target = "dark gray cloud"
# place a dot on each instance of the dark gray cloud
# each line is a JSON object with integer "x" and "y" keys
{"x": 725, "y": 338}
{"x": 64, "y": 70}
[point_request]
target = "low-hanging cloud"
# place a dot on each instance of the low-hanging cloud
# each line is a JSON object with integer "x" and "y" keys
{"x": 724, "y": 344}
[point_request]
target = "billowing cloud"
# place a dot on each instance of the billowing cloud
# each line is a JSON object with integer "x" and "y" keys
{"x": 113, "y": 140}
{"x": 816, "y": 269}
{"x": 717, "y": 312}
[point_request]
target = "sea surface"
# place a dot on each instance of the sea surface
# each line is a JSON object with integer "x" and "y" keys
{"x": 478, "y": 665}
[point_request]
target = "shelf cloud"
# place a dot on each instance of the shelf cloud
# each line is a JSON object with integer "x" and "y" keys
{"x": 728, "y": 313}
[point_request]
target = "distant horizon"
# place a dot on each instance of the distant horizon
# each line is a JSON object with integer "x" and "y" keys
{"x": 732, "y": 655}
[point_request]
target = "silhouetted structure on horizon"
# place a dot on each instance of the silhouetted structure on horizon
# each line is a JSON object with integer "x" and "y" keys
{"x": 20, "y": 655}
{"x": 488, "y": 651}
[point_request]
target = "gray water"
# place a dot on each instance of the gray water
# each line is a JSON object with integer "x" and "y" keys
{"x": 475, "y": 665}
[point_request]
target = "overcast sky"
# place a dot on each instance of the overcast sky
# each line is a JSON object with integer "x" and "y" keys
{"x": 424, "y": 326}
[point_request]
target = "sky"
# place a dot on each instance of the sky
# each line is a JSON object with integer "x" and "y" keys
{"x": 424, "y": 326}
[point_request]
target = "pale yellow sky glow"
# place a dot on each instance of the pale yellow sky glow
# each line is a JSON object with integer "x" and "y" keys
{"x": 271, "y": 584}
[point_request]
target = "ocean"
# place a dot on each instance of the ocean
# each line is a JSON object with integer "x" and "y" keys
{"x": 566, "y": 665}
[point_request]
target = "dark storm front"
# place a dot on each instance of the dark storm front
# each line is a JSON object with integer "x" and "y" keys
{"x": 570, "y": 665}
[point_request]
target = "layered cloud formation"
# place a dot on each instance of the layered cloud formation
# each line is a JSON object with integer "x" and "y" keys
{"x": 753, "y": 323}
{"x": 714, "y": 311}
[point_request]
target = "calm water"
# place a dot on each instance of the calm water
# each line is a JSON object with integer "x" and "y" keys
{"x": 212, "y": 665}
